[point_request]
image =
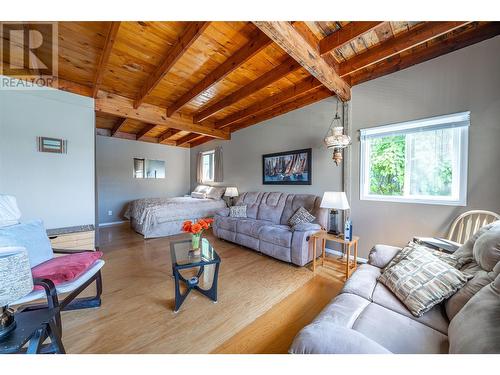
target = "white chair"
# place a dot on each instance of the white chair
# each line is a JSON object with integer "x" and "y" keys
{"x": 468, "y": 223}
{"x": 10, "y": 215}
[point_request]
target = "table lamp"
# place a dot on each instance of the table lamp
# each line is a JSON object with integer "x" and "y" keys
{"x": 231, "y": 192}
{"x": 334, "y": 200}
{"x": 16, "y": 281}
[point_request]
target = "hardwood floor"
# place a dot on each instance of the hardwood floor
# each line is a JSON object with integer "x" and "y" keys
{"x": 261, "y": 306}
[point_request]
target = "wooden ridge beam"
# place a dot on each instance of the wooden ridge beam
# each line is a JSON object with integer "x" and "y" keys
{"x": 345, "y": 35}
{"x": 398, "y": 44}
{"x": 307, "y": 84}
{"x": 257, "y": 42}
{"x": 145, "y": 130}
{"x": 200, "y": 141}
{"x": 123, "y": 107}
{"x": 164, "y": 137}
{"x": 309, "y": 98}
{"x": 190, "y": 35}
{"x": 275, "y": 74}
{"x": 104, "y": 58}
{"x": 186, "y": 139}
{"x": 290, "y": 40}
{"x": 475, "y": 34}
{"x": 118, "y": 127}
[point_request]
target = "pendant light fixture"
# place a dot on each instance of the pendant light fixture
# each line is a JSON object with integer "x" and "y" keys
{"x": 335, "y": 138}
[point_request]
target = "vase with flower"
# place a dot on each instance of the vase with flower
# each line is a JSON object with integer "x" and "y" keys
{"x": 196, "y": 229}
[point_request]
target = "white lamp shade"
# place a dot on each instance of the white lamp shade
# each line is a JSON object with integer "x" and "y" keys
{"x": 231, "y": 192}
{"x": 335, "y": 199}
{"x": 16, "y": 280}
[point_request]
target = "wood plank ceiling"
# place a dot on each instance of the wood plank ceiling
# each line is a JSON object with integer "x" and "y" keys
{"x": 185, "y": 83}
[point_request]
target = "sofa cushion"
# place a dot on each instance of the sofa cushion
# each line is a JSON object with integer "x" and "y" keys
{"x": 295, "y": 201}
{"x": 420, "y": 280}
{"x": 301, "y": 216}
{"x": 271, "y": 207}
{"x": 486, "y": 249}
{"x": 30, "y": 235}
{"x": 250, "y": 227}
{"x": 381, "y": 255}
{"x": 247, "y": 241}
{"x": 238, "y": 211}
{"x": 227, "y": 223}
{"x": 476, "y": 328}
{"x": 277, "y": 235}
{"x": 252, "y": 201}
{"x": 398, "y": 333}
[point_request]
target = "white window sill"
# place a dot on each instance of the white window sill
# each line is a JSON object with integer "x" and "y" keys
{"x": 442, "y": 202}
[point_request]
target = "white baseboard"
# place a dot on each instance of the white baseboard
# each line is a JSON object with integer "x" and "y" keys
{"x": 338, "y": 253}
{"x": 112, "y": 223}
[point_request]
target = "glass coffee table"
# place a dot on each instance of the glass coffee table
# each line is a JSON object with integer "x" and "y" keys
{"x": 184, "y": 258}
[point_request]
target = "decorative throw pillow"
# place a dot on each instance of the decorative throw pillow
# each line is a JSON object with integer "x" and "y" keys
{"x": 215, "y": 192}
{"x": 451, "y": 259}
{"x": 238, "y": 211}
{"x": 420, "y": 280}
{"x": 300, "y": 216}
{"x": 198, "y": 195}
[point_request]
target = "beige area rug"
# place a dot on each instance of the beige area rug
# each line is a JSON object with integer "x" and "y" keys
{"x": 137, "y": 315}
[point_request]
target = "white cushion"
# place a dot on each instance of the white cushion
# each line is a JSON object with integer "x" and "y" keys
{"x": 64, "y": 287}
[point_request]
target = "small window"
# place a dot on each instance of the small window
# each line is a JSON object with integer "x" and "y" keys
{"x": 207, "y": 162}
{"x": 422, "y": 161}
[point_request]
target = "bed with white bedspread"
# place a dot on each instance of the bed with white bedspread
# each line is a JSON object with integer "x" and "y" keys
{"x": 159, "y": 217}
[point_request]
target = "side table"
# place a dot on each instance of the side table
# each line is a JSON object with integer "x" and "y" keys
{"x": 32, "y": 328}
{"x": 325, "y": 236}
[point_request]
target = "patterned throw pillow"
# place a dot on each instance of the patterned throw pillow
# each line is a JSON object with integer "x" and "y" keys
{"x": 300, "y": 216}
{"x": 421, "y": 280}
{"x": 238, "y": 211}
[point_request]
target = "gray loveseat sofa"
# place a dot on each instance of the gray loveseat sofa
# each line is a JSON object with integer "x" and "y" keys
{"x": 265, "y": 229}
{"x": 367, "y": 318}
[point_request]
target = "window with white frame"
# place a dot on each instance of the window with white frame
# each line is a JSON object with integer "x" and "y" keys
{"x": 422, "y": 161}
{"x": 207, "y": 165}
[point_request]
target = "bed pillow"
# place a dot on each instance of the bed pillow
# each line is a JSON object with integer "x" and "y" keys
{"x": 201, "y": 189}
{"x": 215, "y": 192}
{"x": 198, "y": 195}
{"x": 300, "y": 216}
{"x": 238, "y": 211}
{"x": 421, "y": 280}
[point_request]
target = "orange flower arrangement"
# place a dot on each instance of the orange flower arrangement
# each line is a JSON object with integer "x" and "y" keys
{"x": 198, "y": 227}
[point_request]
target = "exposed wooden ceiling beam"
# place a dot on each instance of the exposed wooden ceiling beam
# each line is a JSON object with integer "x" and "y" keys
{"x": 281, "y": 71}
{"x": 345, "y": 35}
{"x": 103, "y": 59}
{"x": 309, "y": 98}
{"x": 307, "y": 84}
{"x": 257, "y": 42}
{"x": 200, "y": 141}
{"x": 120, "y": 106}
{"x": 284, "y": 34}
{"x": 192, "y": 32}
{"x": 164, "y": 137}
{"x": 186, "y": 139}
{"x": 398, "y": 44}
{"x": 118, "y": 127}
{"x": 475, "y": 34}
{"x": 145, "y": 130}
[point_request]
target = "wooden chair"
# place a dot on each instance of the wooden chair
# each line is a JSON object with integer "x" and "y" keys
{"x": 468, "y": 223}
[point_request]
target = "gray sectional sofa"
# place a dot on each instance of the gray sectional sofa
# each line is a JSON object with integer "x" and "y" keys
{"x": 367, "y": 318}
{"x": 265, "y": 229}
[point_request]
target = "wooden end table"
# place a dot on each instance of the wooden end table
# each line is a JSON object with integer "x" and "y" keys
{"x": 325, "y": 236}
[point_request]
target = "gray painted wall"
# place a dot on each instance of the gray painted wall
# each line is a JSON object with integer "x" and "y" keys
{"x": 58, "y": 188}
{"x": 116, "y": 185}
{"x": 465, "y": 80}
{"x": 302, "y": 128}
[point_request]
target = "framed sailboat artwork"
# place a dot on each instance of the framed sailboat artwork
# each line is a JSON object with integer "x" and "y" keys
{"x": 287, "y": 168}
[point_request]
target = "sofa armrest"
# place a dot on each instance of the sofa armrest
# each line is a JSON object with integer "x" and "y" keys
{"x": 305, "y": 227}
{"x": 301, "y": 252}
{"x": 381, "y": 255}
{"x": 330, "y": 338}
{"x": 224, "y": 212}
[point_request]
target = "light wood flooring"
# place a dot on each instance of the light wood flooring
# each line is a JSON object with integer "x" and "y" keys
{"x": 262, "y": 302}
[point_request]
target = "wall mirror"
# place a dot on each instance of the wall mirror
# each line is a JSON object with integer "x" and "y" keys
{"x": 146, "y": 168}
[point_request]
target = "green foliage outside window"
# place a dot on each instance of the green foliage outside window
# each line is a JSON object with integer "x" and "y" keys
{"x": 387, "y": 173}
